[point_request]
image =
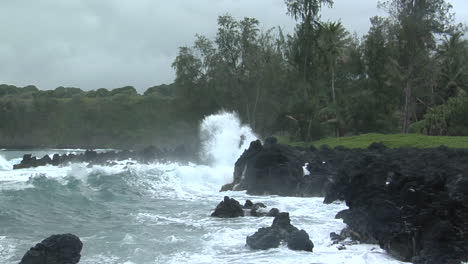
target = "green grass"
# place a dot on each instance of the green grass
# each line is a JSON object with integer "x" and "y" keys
{"x": 391, "y": 141}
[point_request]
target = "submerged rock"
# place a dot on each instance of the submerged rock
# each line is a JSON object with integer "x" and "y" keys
{"x": 228, "y": 208}
{"x": 56, "y": 249}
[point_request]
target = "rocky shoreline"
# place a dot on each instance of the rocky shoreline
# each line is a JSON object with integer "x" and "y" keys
{"x": 148, "y": 154}
{"x": 411, "y": 202}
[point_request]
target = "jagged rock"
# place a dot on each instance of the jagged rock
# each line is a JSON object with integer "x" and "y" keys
{"x": 264, "y": 238}
{"x": 412, "y": 202}
{"x": 299, "y": 240}
{"x": 258, "y": 209}
{"x": 56, "y": 249}
{"x": 273, "y": 212}
{"x": 146, "y": 155}
{"x": 274, "y": 168}
{"x": 280, "y": 230}
{"x": 282, "y": 222}
{"x": 228, "y": 208}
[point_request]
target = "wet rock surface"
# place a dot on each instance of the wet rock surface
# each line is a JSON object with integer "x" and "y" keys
{"x": 299, "y": 240}
{"x": 56, "y": 249}
{"x": 281, "y": 230}
{"x": 146, "y": 155}
{"x": 231, "y": 208}
{"x": 228, "y": 208}
{"x": 411, "y": 202}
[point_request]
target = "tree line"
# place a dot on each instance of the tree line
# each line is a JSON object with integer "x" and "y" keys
{"x": 407, "y": 74}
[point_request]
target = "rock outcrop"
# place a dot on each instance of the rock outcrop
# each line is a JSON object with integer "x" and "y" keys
{"x": 231, "y": 208}
{"x": 56, "y": 249}
{"x": 412, "y": 202}
{"x": 280, "y": 231}
{"x": 228, "y": 208}
{"x": 146, "y": 155}
{"x": 299, "y": 240}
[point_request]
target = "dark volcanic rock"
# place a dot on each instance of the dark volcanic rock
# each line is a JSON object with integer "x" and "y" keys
{"x": 259, "y": 209}
{"x": 412, "y": 202}
{"x": 299, "y": 240}
{"x": 146, "y": 155}
{"x": 280, "y": 230}
{"x": 273, "y": 212}
{"x": 264, "y": 238}
{"x": 248, "y": 204}
{"x": 274, "y": 169}
{"x": 56, "y": 249}
{"x": 229, "y": 208}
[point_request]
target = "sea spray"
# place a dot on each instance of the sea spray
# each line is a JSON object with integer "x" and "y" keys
{"x": 224, "y": 138}
{"x": 160, "y": 212}
{"x": 5, "y": 165}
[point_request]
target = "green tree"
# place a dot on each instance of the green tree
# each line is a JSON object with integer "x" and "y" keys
{"x": 452, "y": 55}
{"x": 308, "y": 12}
{"x": 417, "y": 22}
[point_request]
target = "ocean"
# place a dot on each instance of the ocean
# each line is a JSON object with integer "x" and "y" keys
{"x": 133, "y": 213}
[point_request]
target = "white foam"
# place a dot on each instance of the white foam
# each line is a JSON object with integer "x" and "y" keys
{"x": 222, "y": 240}
{"x": 5, "y": 165}
{"x": 305, "y": 171}
{"x": 224, "y": 138}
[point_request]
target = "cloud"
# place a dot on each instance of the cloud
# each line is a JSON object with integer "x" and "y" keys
{"x": 113, "y": 43}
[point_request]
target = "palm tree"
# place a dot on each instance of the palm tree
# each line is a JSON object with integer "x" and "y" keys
{"x": 452, "y": 54}
{"x": 333, "y": 40}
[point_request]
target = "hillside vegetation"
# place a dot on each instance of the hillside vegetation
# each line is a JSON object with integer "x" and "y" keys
{"x": 408, "y": 74}
{"x": 391, "y": 141}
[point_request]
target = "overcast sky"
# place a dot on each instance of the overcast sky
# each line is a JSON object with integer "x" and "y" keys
{"x": 113, "y": 43}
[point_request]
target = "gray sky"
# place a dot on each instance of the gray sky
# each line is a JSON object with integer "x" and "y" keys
{"x": 113, "y": 43}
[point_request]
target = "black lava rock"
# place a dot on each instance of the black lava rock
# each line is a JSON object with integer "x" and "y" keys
{"x": 264, "y": 238}
{"x": 280, "y": 230}
{"x": 56, "y": 249}
{"x": 229, "y": 208}
{"x": 299, "y": 240}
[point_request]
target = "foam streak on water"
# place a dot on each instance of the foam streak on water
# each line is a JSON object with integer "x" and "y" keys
{"x": 159, "y": 213}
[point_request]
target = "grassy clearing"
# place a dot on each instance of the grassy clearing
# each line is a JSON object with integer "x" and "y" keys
{"x": 391, "y": 141}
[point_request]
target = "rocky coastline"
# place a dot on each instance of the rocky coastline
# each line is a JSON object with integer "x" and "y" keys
{"x": 146, "y": 155}
{"x": 411, "y": 202}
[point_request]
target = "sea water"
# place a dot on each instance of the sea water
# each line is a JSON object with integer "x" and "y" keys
{"x": 160, "y": 212}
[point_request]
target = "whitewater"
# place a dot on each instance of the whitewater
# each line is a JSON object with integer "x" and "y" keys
{"x": 134, "y": 213}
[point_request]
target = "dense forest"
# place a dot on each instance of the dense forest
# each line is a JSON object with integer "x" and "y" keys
{"x": 408, "y": 74}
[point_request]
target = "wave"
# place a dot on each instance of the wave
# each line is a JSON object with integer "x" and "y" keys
{"x": 5, "y": 165}
{"x": 77, "y": 187}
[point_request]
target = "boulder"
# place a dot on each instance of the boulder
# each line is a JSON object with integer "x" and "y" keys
{"x": 248, "y": 204}
{"x": 299, "y": 240}
{"x": 258, "y": 209}
{"x": 264, "y": 238}
{"x": 280, "y": 230}
{"x": 228, "y": 208}
{"x": 273, "y": 212}
{"x": 56, "y": 249}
